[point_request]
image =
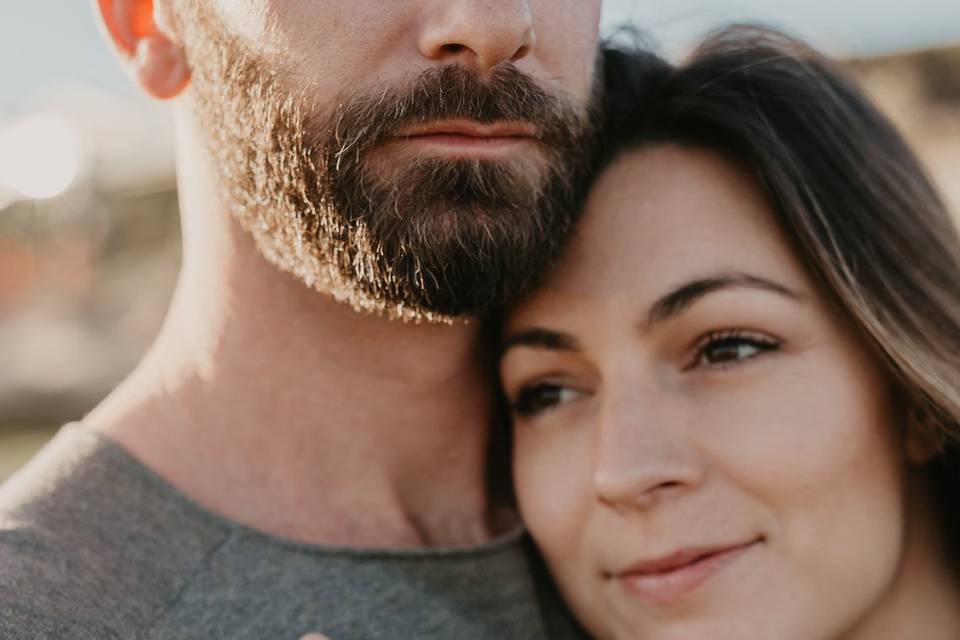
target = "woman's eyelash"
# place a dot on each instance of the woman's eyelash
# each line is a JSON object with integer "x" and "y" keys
{"x": 728, "y": 348}
{"x": 536, "y": 398}
{"x": 715, "y": 350}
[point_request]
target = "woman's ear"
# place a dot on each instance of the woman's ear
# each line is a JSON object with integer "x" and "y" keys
{"x": 154, "y": 59}
{"x": 924, "y": 438}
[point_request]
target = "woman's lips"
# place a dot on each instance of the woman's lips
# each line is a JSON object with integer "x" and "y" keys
{"x": 668, "y": 580}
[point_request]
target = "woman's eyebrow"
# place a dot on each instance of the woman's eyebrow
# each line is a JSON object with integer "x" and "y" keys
{"x": 540, "y": 338}
{"x": 675, "y": 302}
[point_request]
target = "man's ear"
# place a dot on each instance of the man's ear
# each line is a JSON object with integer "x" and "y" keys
{"x": 158, "y": 64}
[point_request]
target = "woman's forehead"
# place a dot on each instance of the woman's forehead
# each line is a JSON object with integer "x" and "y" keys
{"x": 667, "y": 213}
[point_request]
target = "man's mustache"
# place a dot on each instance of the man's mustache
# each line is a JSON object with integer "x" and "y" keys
{"x": 452, "y": 92}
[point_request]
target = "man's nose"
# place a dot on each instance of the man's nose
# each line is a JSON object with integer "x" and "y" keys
{"x": 478, "y": 33}
{"x": 643, "y": 454}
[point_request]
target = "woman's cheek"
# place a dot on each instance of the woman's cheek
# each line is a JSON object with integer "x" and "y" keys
{"x": 553, "y": 475}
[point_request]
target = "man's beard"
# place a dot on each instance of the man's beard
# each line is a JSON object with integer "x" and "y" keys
{"x": 408, "y": 236}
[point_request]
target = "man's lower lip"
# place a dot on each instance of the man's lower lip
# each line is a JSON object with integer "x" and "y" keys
{"x": 671, "y": 587}
{"x": 458, "y": 143}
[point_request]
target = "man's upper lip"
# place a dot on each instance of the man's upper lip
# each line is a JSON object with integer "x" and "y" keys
{"x": 677, "y": 559}
{"x": 470, "y": 128}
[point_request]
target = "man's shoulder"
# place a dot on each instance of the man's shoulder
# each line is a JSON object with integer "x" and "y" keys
{"x": 49, "y": 589}
{"x": 91, "y": 546}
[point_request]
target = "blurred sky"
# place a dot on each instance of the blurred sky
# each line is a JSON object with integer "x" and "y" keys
{"x": 55, "y": 43}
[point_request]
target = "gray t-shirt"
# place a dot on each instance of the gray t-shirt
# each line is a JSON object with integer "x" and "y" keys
{"x": 93, "y": 545}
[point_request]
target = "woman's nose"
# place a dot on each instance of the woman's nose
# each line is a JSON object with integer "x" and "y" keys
{"x": 478, "y": 33}
{"x": 643, "y": 453}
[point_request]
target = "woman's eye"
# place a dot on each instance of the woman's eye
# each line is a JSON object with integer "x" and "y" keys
{"x": 537, "y": 398}
{"x": 717, "y": 350}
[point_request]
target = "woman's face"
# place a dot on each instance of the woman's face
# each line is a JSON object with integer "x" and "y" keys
{"x": 703, "y": 448}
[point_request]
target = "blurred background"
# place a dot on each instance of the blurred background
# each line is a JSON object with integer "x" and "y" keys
{"x": 89, "y": 235}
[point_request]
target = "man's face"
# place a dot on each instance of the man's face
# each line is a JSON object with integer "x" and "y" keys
{"x": 418, "y": 158}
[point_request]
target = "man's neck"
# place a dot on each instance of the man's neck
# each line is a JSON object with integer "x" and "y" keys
{"x": 275, "y": 406}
